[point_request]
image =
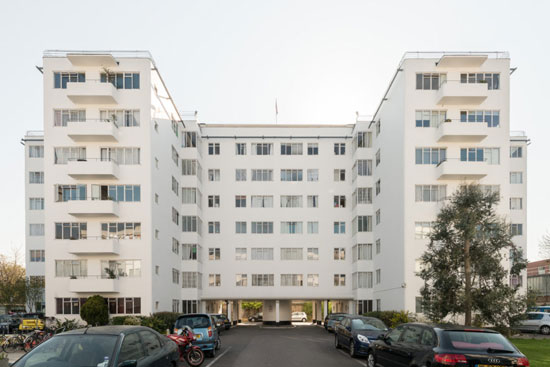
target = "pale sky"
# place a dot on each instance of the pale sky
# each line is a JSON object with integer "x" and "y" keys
{"x": 229, "y": 60}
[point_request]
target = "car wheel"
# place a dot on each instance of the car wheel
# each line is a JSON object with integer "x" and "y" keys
{"x": 337, "y": 342}
{"x": 545, "y": 330}
{"x": 371, "y": 361}
{"x": 218, "y": 344}
{"x": 252, "y": 320}
{"x": 303, "y": 320}
{"x": 213, "y": 352}
{"x": 352, "y": 348}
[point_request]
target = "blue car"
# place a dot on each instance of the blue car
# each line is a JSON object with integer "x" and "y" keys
{"x": 332, "y": 321}
{"x": 205, "y": 330}
{"x": 356, "y": 333}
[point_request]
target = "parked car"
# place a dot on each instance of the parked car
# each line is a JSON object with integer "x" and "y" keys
{"x": 299, "y": 316}
{"x": 124, "y": 346}
{"x": 540, "y": 309}
{"x": 537, "y": 322}
{"x": 355, "y": 333}
{"x": 204, "y": 327}
{"x": 332, "y": 321}
{"x": 9, "y": 324}
{"x": 416, "y": 344}
{"x": 32, "y": 321}
{"x": 222, "y": 322}
{"x": 329, "y": 316}
{"x": 257, "y": 317}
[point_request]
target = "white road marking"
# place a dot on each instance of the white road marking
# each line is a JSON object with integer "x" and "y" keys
{"x": 218, "y": 357}
{"x": 347, "y": 355}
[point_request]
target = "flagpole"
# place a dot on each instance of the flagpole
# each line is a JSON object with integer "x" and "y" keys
{"x": 276, "y": 112}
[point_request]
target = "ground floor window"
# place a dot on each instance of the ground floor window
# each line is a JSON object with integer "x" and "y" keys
{"x": 68, "y": 306}
{"x": 364, "y": 306}
{"x": 190, "y": 306}
{"x": 121, "y": 305}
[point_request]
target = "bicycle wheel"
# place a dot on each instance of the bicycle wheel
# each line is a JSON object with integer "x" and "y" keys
{"x": 10, "y": 345}
{"x": 29, "y": 343}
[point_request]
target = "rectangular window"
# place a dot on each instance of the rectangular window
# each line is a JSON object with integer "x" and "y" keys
{"x": 378, "y": 217}
{"x": 71, "y": 231}
{"x": 516, "y": 177}
{"x": 339, "y": 280}
{"x": 291, "y": 148}
{"x": 430, "y": 81}
{"x": 36, "y": 177}
{"x": 262, "y": 280}
{"x": 339, "y": 253}
{"x": 121, "y": 156}
{"x": 363, "y": 139}
{"x": 362, "y": 251}
{"x": 378, "y": 126}
{"x": 175, "y": 216}
{"x": 214, "y": 227}
{"x": 261, "y": 201}
{"x": 516, "y": 203}
{"x": 516, "y": 152}
{"x": 64, "y": 154}
{"x": 190, "y": 167}
{"x": 189, "y": 139}
{"x": 71, "y": 306}
{"x": 339, "y": 148}
{"x": 175, "y": 276}
{"x": 37, "y": 256}
{"x": 378, "y": 246}
{"x": 491, "y": 79}
{"x": 240, "y": 227}
{"x": 189, "y": 223}
{"x": 213, "y": 148}
{"x": 240, "y": 201}
{"x": 213, "y": 175}
{"x": 364, "y": 279}
{"x": 214, "y": 253}
{"x": 291, "y": 175}
{"x": 214, "y": 280}
{"x": 489, "y": 155}
{"x": 422, "y": 230}
{"x": 312, "y": 149}
{"x": 121, "y": 80}
{"x": 189, "y": 251}
{"x": 175, "y": 186}
{"x": 124, "y": 118}
{"x": 313, "y": 253}
{"x": 262, "y": 148}
{"x": 190, "y": 279}
{"x": 262, "y": 175}
{"x": 175, "y": 246}
{"x": 491, "y": 118}
{"x": 71, "y": 268}
{"x": 377, "y": 157}
{"x": 291, "y": 227}
{"x": 313, "y": 280}
{"x": 62, "y": 117}
{"x": 291, "y": 201}
{"x": 363, "y": 195}
{"x": 120, "y": 230}
{"x": 430, "y": 193}
{"x": 339, "y": 201}
{"x": 292, "y": 254}
{"x": 262, "y": 227}
{"x": 240, "y": 174}
{"x": 377, "y": 187}
{"x": 339, "y": 175}
{"x": 189, "y": 195}
{"x": 292, "y": 280}
{"x": 241, "y": 280}
{"x": 313, "y": 175}
{"x": 339, "y": 227}
{"x": 430, "y": 155}
{"x": 240, "y": 149}
{"x": 362, "y": 167}
{"x": 241, "y": 254}
{"x": 175, "y": 156}
{"x": 36, "y": 151}
{"x": 123, "y": 193}
{"x": 429, "y": 118}
{"x": 516, "y": 229}
{"x": 312, "y": 201}
{"x": 261, "y": 253}
{"x": 60, "y": 79}
{"x": 213, "y": 201}
{"x": 36, "y": 203}
{"x": 312, "y": 227}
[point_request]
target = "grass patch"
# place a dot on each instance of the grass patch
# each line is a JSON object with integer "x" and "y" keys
{"x": 537, "y": 350}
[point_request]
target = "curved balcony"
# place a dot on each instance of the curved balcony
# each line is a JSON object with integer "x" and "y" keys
{"x": 93, "y": 284}
{"x": 93, "y": 246}
{"x": 453, "y": 92}
{"x": 92, "y": 168}
{"x": 455, "y": 169}
{"x": 92, "y": 91}
{"x": 92, "y": 130}
{"x": 456, "y": 131}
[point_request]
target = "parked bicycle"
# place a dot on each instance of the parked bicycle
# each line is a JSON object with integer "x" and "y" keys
{"x": 39, "y": 336}
{"x": 14, "y": 343}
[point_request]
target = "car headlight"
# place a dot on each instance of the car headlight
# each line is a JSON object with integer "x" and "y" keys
{"x": 363, "y": 339}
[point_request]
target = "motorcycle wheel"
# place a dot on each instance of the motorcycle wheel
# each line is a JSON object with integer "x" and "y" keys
{"x": 195, "y": 357}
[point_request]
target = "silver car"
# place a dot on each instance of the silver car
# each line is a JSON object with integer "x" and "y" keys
{"x": 537, "y": 322}
{"x": 299, "y": 316}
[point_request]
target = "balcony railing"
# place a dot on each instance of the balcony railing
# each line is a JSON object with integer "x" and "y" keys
{"x": 92, "y": 168}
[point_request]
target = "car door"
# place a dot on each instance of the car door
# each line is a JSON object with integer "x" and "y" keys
{"x": 132, "y": 349}
{"x": 532, "y": 322}
{"x": 384, "y": 348}
{"x": 408, "y": 347}
{"x": 153, "y": 349}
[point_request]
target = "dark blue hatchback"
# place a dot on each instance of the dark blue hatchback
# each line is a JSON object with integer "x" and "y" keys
{"x": 356, "y": 333}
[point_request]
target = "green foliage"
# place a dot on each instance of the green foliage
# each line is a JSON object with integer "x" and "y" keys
{"x": 12, "y": 282}
{"x": 154, "y": 322}
{"x": 118, "y": 320}
{"x": 468, "y": 230}
{"x": 536, "y": 350}
{"x": 34, "y": 291}
{"x": 131, "y": 320}
{"x": 67, "y": 324}
{"x": 94, "y": 311}
{"x": 390, "y": 318}
{"x": 3, "y": 356}
{"x": 168, "y": 319}
{"x": 252, "y": 306}
{"x": 308, "y": 309}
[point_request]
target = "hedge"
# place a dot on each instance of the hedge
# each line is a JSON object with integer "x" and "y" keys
{"x": 391, "y": 318}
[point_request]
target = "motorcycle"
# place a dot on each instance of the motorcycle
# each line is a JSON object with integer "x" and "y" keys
{"x": 190, "y": 353}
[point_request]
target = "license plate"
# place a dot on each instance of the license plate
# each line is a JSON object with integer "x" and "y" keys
{"x": 489, "y": 365}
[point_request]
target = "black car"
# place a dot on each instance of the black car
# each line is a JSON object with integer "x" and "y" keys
{"x": 225, "y": 323}
{"x": 256, "y": 317}
{"x": 417, "y": 344}
{"x": 356, "y": 333}
{"x": 122, "y": 346}
{"x": 330, "y": 316}
{"x": 9, "y": 324}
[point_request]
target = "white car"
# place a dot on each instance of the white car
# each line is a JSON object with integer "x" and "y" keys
{"x": 299, "y": 316}
{"x": 536, "y": 321}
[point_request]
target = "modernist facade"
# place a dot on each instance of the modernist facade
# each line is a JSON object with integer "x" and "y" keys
{"x": 156, "y": 211}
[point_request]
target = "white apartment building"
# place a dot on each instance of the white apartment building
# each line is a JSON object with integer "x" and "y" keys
{"x": 158, "y": 212}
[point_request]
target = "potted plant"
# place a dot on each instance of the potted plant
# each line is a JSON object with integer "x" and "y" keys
{"x": 73, "y": 276}
{"x": 447, "y": 120}
{"x": 111, "y": 274}
{"x": 483, "y": 81}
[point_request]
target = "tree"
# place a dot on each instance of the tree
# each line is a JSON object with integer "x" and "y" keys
{"x": 463, "y": 268}
{"x": 94, "y": 311}
{"x": 544, "y": 246}
{"x": 12, "y": 281}
{"x": 251, "y": 306}
{"x": 34, "y": 292}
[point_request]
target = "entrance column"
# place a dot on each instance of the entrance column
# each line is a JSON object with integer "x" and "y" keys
{"x": 325, "y": 309}
{"x": 277, "y": 318}
{"x": 229, "y": 309}
{"x": 351, "y": 307}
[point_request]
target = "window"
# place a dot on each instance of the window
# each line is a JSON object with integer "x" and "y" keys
{"x": 339, "y": 148}
{"x": 71, "y": 231}
{"x": 378, "y": 277}
{"x": 339, "y": 280}
{"x": 189, "y": 251}
{"x": 378, "y": 217}
{"x": 241, "y": 280}
{"x": 37, "y": 256}
{"x": 214, "y": 254}
{"x": 190, "y": 306}
{"x": 312, "y": 201}
{"x": 120, "y": 230}
{"x": 175, "y": 276}
{"x": 262, "y": 227}
{"x": 69, "y": 306}
{"x": 240, "y": 201}
{"x": 428, "y": 118}
{"x": 377, "y": 157}
{"x": 377, "y": 187}
{"x": 516, "y": 203}
{"x": 261, "y": 201}
{"x": 61, "y": 117}
{"x": 36, "y": 151}
{"x": 213, "y": 175}
{"x": 292, "y": 254}
{"x": 240, "y": 149}
{"x": 71, "y": 268}
{"x": 516, "y": 229}
{"x": 213, "y": 201}
{"x": 377, "y": 126}
{"x": 189, "y": 195}
{"x": 489, "y": 155}
{"x": 430, "y": 155}
{"x": 313, "y": 253}
{"x": 364, "y": 306}
{"x": 175, "y": 186}
{"x": 430, "y": 193}
{"x": 36, "y": 203}
{"x": 214, "y": 280}
{"x": 189, "y": 139}
{"x": 291, "y": 148}
{"x": 492, "y": 118}
{"x": 262, "y": 148}
{"x": 491, "y": 79}
{"x": 121, "y": 156}
{"x": 312, "y": 175}
{"x": 363, "y": 195}
{"x": 378, "y": 246}
{"x": 312, "y": 149}
{"x": 125, "y": 118}
{"x": 291, "y": 227}
{"x": 291, "y": 175}
{"x": 291, "y": 201}
{"x": 189, "y": 223}
{"x": 64, "y": 154}
{"x": 175, "y": 216}
{"x": 422, "y": 230}
{"x": 190, "y": 167}
{"x": 241, "y": 254}
{"x": 313, "y": 280}
{"x": 262, "y": 175}
{"x": 363, "y": 139}
{"x": 213, "y": 148}
{"x": 362, "y": 251}
{"x": 174, "y": 127}
{"x": 36, "y": 177}
{"x": 429, "y": 81}
{"x": 240, "y": 174}
{"x": 362, "y": 223}
{"x": 240, "y": 227}
{"x": 339, "y": 253}
{"x": 261, "y": 253}
{"x": 175, "y": 246}
{"x": 175, "y": 156}
{"x": 157, "y": 234}
{"x": 490, "y": 189}
{"x": 262, "y": 280}
{"x": 214, "y": 227}
{"x": 190, "y": 279}
{"x": 339, "y": 201}
{"x": 292, "y": 280}
{"x": 312, "y": 227}
{"x": 363, "y": 167}
{"x": 123, "y": 193}
{"x": 516, "y": 152}
{"x": 339, "y": 175}
{"x": 339, "y": 227}
{"x": 121, "y": 80}
{"x": 418, "y": 309}
{"x": 516, "y": 177}
{"x": 175, "y": 308}
{"x": 362, "y": 279}
{"x": 60, "y": 79}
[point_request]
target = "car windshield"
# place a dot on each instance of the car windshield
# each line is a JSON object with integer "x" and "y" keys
{"x": 475, "y": 340}
{"x": 71, "y": 351}
{"x": 362, "y": 323}
{"x": 194, "y": 322}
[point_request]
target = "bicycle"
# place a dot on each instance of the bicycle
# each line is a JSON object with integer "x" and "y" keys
{"x": 13, "y": 343}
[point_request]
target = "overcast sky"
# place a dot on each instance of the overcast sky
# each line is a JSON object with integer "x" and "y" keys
{"x": 229, "y": 60}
